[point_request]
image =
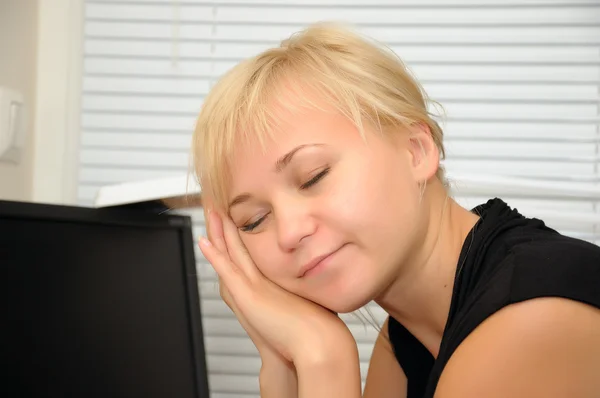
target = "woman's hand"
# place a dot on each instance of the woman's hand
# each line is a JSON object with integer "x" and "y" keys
{"x": 278, "y": 322}
{"x": 278, "y": 377}
{"x": 307, "y": 351}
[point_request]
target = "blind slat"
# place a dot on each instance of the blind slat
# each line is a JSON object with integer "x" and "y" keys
{"x": 481, "y": 4}
{"x": 559, "y": 151}
{"x": 393, "y": 14}
{"x": 232, "y": 346}
{"x": 204, "y": 51}
{"x": 474, "y": 73}
{"x": 190, "y": 105}
{"x": 198, "y": 88}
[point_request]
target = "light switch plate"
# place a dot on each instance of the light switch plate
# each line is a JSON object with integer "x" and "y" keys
{"x": 12, "y": 128}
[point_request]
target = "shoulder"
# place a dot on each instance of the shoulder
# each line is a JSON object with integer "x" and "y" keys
{"x": 555, "y": 247}
{"x": 529, "y": 260}
{"x": 555, "y": 266}
{"x": 545, "y": 347}
{"x": 530, "y": 323}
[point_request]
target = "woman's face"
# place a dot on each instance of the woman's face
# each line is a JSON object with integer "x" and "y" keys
{"x": 324, "y": 213}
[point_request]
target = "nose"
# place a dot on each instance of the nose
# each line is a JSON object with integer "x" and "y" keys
{"x": 294, "y": 224}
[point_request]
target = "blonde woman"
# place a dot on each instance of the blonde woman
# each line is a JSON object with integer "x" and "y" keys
{"x": 320, "y": 169}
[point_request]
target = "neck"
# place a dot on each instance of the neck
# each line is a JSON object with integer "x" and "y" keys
{"x": 421, "y": 294}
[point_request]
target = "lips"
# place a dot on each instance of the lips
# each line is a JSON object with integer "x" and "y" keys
{"x": 315, "y": 262}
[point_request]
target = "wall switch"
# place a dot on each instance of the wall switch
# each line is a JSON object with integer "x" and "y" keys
{"x": 12, "y": 128}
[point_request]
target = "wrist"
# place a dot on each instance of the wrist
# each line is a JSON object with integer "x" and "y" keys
{"x": 325, "y": 349}
{"x": 330, "y": 373}
{"x": 276, "y": 366}
{"x": 278, "y": 379}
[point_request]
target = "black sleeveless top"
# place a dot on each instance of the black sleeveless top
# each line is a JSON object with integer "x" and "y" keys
{"x": 506, "y": 258}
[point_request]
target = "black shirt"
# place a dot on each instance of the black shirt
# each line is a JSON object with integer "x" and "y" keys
{"x": 506, "y": 258}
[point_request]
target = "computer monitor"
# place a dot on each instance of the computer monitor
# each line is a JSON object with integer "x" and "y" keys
{"x": 98, "y": 303}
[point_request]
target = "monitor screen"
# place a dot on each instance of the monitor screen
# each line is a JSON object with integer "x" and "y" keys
{"x": 98, "y": 303}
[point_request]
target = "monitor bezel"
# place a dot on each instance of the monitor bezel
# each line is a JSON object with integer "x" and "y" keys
{"x": 136, "y": 218}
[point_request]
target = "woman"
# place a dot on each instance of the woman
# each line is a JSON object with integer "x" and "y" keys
{"x": 320, "y": 169}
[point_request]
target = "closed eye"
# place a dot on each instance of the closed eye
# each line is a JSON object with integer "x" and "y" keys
{"x": 315, "y": 179}
{"x": 250, "y": 227}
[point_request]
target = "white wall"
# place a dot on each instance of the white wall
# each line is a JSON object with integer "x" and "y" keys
{"x": 18, "y": 46}
{"x": 58, "y": 77}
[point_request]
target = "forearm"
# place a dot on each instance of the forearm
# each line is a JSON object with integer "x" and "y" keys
{"x": 278, "y": 380}
{"x": 335, "y": 375}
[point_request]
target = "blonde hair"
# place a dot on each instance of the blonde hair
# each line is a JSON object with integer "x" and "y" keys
{"x": 362, "y": 80}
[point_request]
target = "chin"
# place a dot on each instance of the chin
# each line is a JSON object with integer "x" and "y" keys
{"x": 345, "y": 289}
{"x": 343, "y": 303}
{"x": 346, "y": 309}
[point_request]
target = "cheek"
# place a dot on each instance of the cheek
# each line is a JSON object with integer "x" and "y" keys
{"x": 377, "y": 203}
{"x": 264, "y": 252}
{"x": 374, "y": 192}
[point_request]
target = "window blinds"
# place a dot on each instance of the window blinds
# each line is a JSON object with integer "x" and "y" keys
{"x": 519, "y": 80}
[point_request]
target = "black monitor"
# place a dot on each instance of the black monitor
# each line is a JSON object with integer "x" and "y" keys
{"x": 98, "y": 303}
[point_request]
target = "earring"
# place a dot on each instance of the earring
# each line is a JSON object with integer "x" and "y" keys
{"x": 422, "y": 187}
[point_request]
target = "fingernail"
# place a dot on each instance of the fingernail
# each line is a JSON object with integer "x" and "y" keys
{"x": 205, "y": 242}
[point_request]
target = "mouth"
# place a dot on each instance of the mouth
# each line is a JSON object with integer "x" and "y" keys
{"x": 317, "y": 263}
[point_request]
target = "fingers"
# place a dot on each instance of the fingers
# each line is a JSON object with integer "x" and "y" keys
{"x": 226, "y": 296}
{"x": 214, "y": 226}
{"x": 237, "y": 251}
{"x": 215, "y": 232}
{"x": 228, "y": 299}
{"x": 207, "y": 207}
{"x": 256, "y": 338}
{"x": 227, "y": 270}
{"x": 224, "y": 237}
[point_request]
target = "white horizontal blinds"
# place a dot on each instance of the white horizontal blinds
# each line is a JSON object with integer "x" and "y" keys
{"x": 520, "y": 82}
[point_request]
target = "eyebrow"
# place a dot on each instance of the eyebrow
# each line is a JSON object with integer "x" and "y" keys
{"x": 283, "y": 161}
{"x": 280, "y": 165}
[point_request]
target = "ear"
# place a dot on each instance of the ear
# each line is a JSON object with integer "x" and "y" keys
{"x": 424, "y": 154}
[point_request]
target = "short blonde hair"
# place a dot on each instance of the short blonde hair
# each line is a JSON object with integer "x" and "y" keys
{"x": 361, "y": 79}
